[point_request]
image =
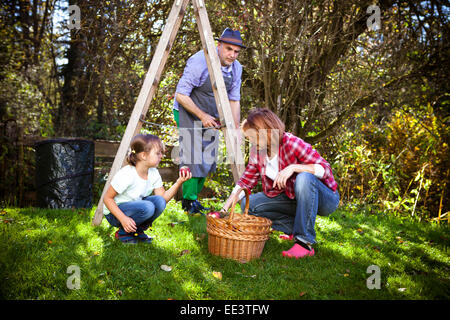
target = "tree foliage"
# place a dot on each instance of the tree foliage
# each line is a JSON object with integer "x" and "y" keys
{"x": 348, "y": 89}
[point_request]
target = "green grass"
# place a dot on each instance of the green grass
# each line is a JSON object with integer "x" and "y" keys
{"x": 38, "y": 245}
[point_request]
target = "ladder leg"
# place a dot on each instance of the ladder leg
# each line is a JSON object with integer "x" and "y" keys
{"x": 145, "y": 95}
{"x": 220, "y": 93}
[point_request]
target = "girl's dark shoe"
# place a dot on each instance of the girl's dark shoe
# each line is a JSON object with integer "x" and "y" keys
{"x": 125, "y": 237}
{"x": 142, "y": 237}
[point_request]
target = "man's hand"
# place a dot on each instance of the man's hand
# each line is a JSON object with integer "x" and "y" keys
{"x": 208, "y": 120}
{"x": 189, "y": 105}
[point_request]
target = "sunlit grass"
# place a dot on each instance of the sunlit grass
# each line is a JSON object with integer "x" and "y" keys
{"x": 38, "y": 245}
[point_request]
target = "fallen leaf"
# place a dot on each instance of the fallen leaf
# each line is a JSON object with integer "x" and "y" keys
{"x": 166, "y": 268}
{"x": 172, "y": 224}
{"x": 248, "y": 276}
{"x": 217, "y": 275}
{"x": 200, "y": 236}
{"x": 185, "y": 252}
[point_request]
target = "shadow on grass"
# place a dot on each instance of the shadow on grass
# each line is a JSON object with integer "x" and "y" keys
{"x": 135, "y": 270}
{"x": 412, "y": 256}
{"x": 38, "y": 246}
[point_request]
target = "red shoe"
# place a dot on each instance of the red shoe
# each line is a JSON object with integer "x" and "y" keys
{"x": 297, "y": 251}
{"x": 286, "y": 236}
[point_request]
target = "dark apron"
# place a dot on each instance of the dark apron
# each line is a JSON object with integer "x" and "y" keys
{"x": 199, "y": 146}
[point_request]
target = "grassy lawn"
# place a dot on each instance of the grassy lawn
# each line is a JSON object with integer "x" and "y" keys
{"x": 37, "y": 246}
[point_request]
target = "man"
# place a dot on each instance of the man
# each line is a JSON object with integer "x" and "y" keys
{"x": 195, "y": 110}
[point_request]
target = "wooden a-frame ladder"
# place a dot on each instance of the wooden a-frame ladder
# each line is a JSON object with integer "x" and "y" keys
{"x": 151, "y": 82}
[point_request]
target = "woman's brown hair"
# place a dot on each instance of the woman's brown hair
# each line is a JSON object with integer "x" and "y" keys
{"x": 143, "y": 143}
{"x": 262, "y": 118}
{"x": 265, "y": 119}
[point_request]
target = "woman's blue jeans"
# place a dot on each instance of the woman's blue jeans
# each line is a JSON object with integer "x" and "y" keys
{"x": 144, "y": 212}
{"x": 296, "y": 216}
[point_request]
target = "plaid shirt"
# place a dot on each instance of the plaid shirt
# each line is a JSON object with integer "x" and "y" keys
{"x": 292, "y": 150}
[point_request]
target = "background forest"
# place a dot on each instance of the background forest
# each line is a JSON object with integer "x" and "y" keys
{"x": 372, "y": 99}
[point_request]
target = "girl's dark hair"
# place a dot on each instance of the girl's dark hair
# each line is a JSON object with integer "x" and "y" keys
{"x": 143, "y": 143}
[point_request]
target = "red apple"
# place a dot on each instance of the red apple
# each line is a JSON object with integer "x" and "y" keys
{"x": 214, "y": 214}
{"x": 184, "y": 171}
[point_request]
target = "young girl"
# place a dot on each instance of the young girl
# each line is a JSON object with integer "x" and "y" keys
{"x": 127, "y": 203}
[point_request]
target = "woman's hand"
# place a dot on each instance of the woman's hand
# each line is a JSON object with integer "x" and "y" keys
{"x": 283, "y": 176}
{"x": 228, "y": 203}
{"x": 128, "y": 224}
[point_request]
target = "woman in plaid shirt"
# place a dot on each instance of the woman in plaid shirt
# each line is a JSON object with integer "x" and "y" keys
{"x": 297, "y": 182}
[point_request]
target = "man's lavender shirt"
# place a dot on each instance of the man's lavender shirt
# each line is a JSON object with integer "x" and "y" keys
{"x": 196, "y": 72}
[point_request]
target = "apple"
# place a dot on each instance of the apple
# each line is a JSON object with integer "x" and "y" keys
{"x": 214, "y": 214}
{"x": 184, "y": 170}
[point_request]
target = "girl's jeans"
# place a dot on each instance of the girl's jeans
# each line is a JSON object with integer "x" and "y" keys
{"x": 296, "y": 216}
{"x": 143, "y": 212}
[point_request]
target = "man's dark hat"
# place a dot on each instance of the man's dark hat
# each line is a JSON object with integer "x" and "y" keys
{"x": 231, "y": 37}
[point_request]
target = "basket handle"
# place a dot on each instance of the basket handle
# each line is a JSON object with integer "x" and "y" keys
{"x": 236, "y": 199}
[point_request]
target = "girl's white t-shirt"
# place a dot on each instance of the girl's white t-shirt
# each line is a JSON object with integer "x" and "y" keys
{"x": 131, "y": 187}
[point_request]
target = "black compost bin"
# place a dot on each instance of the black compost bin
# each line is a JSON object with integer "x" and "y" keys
{"x": 64, "y": 173}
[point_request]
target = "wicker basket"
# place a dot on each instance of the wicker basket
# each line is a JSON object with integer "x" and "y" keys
{"x": 240, "y": 236}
